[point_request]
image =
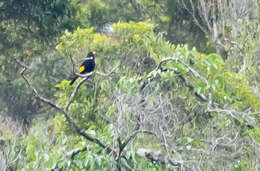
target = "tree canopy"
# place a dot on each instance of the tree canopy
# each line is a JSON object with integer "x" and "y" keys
{"x": 176, "y": 85}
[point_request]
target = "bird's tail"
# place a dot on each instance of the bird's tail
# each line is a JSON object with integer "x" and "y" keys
{"x": 73, "y": 80}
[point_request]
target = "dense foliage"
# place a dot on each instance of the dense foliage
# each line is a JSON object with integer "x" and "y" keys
{"x": 150, "y": 104}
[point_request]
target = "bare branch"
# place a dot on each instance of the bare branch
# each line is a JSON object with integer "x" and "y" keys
{"x": 74, "y": 93}
{"x": 85, "y": 75}
{"x": 193, "y": 14}
{"x": 36, "y": 92}
{"x": 108, "y": 74}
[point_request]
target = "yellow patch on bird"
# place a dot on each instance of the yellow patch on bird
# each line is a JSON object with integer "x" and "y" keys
{"x": 81, "y": 69}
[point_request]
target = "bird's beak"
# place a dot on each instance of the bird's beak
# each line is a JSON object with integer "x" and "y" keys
{"x": 94, "y": 52}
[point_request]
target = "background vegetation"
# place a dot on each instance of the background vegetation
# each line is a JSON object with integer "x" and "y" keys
{"x": 176, "y": 85}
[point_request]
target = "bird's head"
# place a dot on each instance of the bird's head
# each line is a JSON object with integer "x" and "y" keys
{"x": 91, "y": 54}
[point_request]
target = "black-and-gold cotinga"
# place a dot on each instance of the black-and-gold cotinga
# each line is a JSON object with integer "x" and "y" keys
{"x": 87, "y": 66}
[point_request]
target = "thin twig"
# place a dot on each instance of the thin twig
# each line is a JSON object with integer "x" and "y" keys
{"x": 108, "y": 74}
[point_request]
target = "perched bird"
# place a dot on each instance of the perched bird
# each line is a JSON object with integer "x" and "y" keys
{"x": 87, "y": 66}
